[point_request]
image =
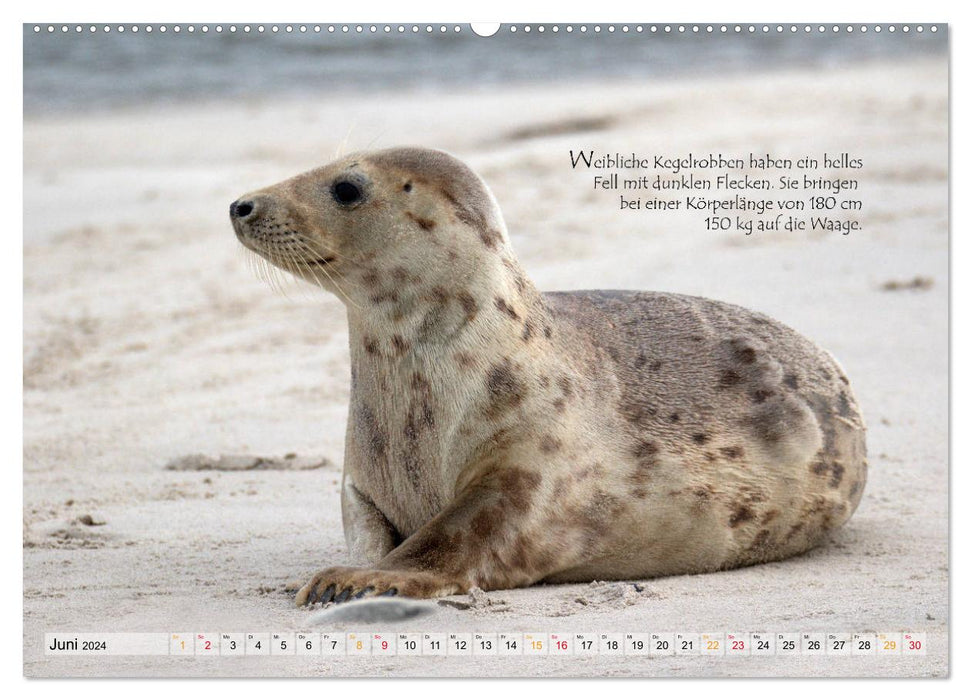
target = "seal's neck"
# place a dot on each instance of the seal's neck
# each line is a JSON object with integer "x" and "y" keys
{"x": 493, "y": 306}
{"x": 435, "y": 373}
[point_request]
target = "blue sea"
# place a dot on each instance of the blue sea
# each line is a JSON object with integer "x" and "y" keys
{"x": 71, "y": 71}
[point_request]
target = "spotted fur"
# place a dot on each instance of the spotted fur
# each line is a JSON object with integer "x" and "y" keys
{"x": 499, "y": 437}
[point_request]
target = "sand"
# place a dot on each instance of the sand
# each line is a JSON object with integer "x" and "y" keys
{"x": 147, "y": 339}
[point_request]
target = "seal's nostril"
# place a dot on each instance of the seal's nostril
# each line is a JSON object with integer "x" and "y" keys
{"x": 240, "y": 209}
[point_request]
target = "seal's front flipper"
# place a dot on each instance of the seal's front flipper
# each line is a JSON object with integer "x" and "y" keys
{"x": 342, "y": 583}
{"x": 495, "y": 534}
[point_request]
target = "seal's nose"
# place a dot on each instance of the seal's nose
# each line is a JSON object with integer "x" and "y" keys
{"x": 241, "y": 209}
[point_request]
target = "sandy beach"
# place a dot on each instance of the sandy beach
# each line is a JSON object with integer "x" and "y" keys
{"x": 148, "y": 338}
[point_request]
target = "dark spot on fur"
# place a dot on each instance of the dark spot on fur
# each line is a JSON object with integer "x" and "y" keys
{"x": 490, "y": 238}
{"x": 760, "y": 540}
{"x": 674, "y": 418}
{"x": 769, "y": 516}
{"x": 411, "y": 431}
{"x": 462, "y": 212}
{"x": 517, "y": 487}
{"x": 500, "y": 440}
{"x": 598, "y": 513}
{"x": 464, "y": 359}
{"x": 640, "y": 477}
{"x": 818, "y": 467}
{"x": 485, "y": 523}
{"x": 566, "y": 386}
{"x": 391, "y": 296}
{"x": 420, "y": 417}
{"x": 506, "y": 389}
{"x": 371, "y": 434}
{"x": 656, "y": 365}
{"x": 506, "y": 309}
{"x": 544, "y": 381}
{"x": 645, "y": 448}
{"x": 727, "y": 378}
{"x": 559, "y": 404}
{"x": 703, "y": 493}
{"x": 646, "y": 452}
{"x": 733, "y": 452}
{"x": 419, "y": 383}
{"x": 401, "y": 345}
{"x": 440, "y": 295}
{"x": 837, "y": 476}
{"x": 371, "y": 279}
{"x": 637, "y": 413}
{"x": 741, "y": 514}
{"x": 527, "y": 331}
{"x": 424, "y": 224}
{"x": 549, "y": 444}
{"x": 640, "y": 361}
{"x": 745, "y": 355}
{"x": 469, "y": 306}
{"x": 760, "y": 395}
{"x": 700, "y": 438}
{"x": 435, "y": 551}
{"x": 696, "y": 338}
{"x": 768, "y": 427}
{"x": 791, "y": 381}
{"x": 520, "y": 283}
{"x": 547, "y": 331}
{"x": 843, "y": 406}
{"x": 371, "y": 345}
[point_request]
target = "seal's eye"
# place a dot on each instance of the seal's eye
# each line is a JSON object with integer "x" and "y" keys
{"x": 346, "y": 192}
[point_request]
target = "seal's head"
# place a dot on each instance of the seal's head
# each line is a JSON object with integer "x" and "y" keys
{"x": 374, "y": 226}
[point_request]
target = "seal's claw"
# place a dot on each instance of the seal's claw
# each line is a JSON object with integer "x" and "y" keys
{"x": 328, "y": 594}
{"x": 363, "y": 592}
{"x": 343, "y": 595}
{"x": 388, "y": 593}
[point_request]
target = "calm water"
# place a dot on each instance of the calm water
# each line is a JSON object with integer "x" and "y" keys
{"x": 70, "y": 72}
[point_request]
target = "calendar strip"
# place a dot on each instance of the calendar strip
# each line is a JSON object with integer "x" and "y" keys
{"x": 383, "y": 644}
